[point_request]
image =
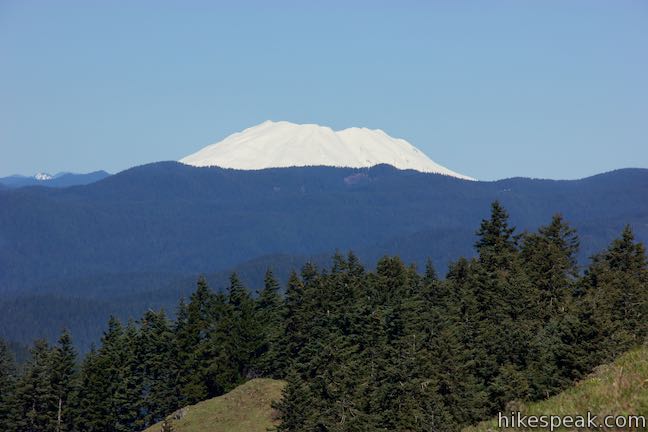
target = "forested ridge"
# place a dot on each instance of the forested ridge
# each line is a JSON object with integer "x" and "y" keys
{"x": 391, "y": 350}
{"x": 137, "y": 240}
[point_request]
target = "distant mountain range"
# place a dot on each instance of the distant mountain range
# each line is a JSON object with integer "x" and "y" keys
{"x": 273, "y": 195}
{"x": 57, "y": 180}
{"x": 138, "y": 239}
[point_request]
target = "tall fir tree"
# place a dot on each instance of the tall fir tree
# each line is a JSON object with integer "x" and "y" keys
{"x": 64, "y": 359}
{"x": 270, "y": 314}
{"x": 109, "y": 383}
{"x": 197, "y": 322}
{"x": 238, "y": 337}
{"x": 157, "y": 357}
{"x": 92, "y": 406}
{"x": 615, "y": 286}
{"x": 501, "y": 290}
{"x": 34, "y": 403}
{"x": 549, "y": 260}
{"x": 295, "y": 335}
{"x": 7, "y": 383}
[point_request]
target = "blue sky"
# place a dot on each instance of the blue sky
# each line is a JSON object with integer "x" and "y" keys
{"x": 552, "y": 89}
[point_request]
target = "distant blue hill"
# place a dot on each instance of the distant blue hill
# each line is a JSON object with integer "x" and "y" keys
{"x": 138, "y": 239}
{"x": 58, "y": 181}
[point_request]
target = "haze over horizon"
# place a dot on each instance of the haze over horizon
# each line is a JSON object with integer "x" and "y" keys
{"x": 549, "y": 90}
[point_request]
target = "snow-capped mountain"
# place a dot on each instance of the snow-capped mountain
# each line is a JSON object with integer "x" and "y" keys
{"x": 41, "y": 176}
{"x": 284, "y": 144}
{"x": 62, "y": 179}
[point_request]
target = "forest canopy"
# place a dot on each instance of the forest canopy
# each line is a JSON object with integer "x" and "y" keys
{"x": 397, "y": 348}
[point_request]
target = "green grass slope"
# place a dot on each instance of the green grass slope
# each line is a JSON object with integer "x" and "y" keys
{"x": 620, "y": 388}
{"x": 247, "y": 408}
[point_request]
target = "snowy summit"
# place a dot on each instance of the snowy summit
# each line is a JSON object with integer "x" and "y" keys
{"x": 41, "y": 176}
{"x": 284, "y": 144}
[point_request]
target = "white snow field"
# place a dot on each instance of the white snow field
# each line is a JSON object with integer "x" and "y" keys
{"x": 283, "y": 144}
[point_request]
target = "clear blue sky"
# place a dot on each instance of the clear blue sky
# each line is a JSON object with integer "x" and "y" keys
{"x": 492, "y": 89}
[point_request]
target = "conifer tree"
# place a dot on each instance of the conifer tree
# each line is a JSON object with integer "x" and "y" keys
{"x": 496, "y": 244}
{"x": 157, "y": 362}
{"x": 238, "y": 337}
{"x": 295, "y": 325}
{"x": 549, "y": 258}
{"x": 7, "y": 383}
{"x": 110, "y": 385}
{"x": 501, "y": 290}
{"x": 454, "y": 328}
{"x": 92, "y": 406}
{"x": 615, "y": 284}
{"x": 431, "y": 275}
{"x": 34, "y": 404}
{"x": 127, "y": 376}
{"x": 354, "y": 265}
{"x": 64, "y": 359}
{"x": 194, "y": 330}
{"x": 296, "y": 405}
{"x": 270, "y": 313}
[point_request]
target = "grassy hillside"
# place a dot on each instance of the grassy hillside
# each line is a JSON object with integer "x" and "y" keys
{"x": 247, "y": 408}
{"x": 620, "y": 388}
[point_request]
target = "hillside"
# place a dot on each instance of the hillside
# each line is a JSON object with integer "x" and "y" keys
{"x": 620, "y": 388}
{"x": 247, "y": 408}
{"x": 138, "y": 239}
{"x": 60, "y": 180}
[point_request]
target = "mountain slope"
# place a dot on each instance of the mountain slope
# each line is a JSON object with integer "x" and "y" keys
{"x": 59, "y": 180}
{"x": 247, "y": 408}
{"x": 140, "y": 238}
{"x": 172, "y": 218}
{"x": 284, "y": 144}
{"x": 620, "y": 388}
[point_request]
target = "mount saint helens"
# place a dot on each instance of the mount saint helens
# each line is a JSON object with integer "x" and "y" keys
{"x": 69, "y": 257}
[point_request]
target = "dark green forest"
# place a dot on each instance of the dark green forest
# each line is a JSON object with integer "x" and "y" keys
{"x": 395, "y": 349}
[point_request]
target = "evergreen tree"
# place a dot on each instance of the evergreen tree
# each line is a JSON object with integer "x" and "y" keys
{"x": 502, "y": 291}
{"x": 7, "y": 383}
{"x": 127, "y": 386}
{"x": 34, "y": 404}
{"x": 455, "y": 326}
{"x": 109, "y": 397}
{"x": 238, "y": 338}
{"x": 549, "y": 258}
{"x": 156, "y": 356}
{"x": 64, "y": 359}
{"x": 295, "y": 336}
{"x": 194, "y": 330}
{"x": 92, "y": 405}
{"x": 270, "y": 313}
{"x": 295, "y": 406}
{"x": 496, "y": 244}
{"x": 430, "y": 273}
{"x": 615, "y": 286}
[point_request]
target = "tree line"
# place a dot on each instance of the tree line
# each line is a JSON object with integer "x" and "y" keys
{"x": 388, "y": 350}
